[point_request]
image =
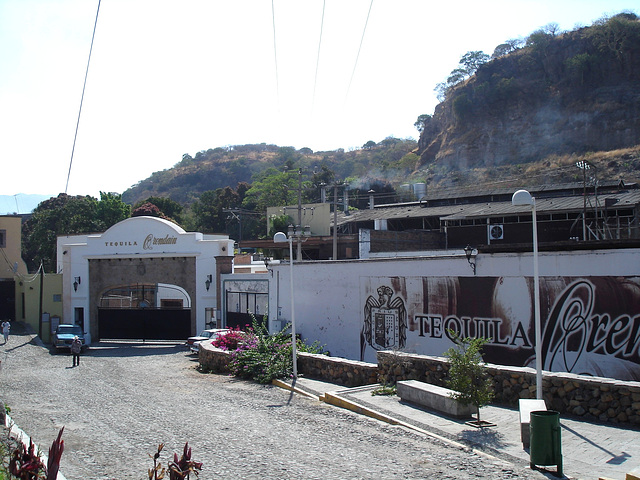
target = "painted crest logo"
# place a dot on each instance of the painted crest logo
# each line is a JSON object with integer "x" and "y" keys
{"x": 385, "y": 321}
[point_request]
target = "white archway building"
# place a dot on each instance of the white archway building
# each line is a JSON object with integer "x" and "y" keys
{"x": 180, "y": 271}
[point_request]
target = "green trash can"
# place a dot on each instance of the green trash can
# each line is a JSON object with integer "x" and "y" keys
{"x": 545, "y": 443}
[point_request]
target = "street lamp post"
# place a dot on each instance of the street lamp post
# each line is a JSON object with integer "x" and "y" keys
{"x": 281, "y": 238}
{"x": 520, "y": 198}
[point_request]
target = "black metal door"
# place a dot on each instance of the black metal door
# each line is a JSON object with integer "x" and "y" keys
{"x": 144, "y": 323}
{"x": 8, "y": 300}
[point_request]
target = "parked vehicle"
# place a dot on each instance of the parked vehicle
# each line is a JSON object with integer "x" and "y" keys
{"x": 210, "y": 334}
{"x": 63, "y": 336}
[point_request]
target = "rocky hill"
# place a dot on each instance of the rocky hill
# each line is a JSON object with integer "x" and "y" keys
{"x": 558, "y": 98}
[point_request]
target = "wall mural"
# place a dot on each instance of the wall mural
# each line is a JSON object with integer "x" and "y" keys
{"x": 590, "y": 325}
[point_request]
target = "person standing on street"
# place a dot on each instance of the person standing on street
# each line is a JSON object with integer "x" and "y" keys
{"x": 6, "y": 327}
{"x": 76, "y": 348}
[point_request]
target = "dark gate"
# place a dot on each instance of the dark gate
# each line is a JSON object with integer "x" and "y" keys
{"x": 144, "y": 323}
{"x": 243, "y": 306}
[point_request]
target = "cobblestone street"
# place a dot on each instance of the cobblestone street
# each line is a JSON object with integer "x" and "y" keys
{"x": 125, "y": 399}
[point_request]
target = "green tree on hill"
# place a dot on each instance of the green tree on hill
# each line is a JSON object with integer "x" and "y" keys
{"x": 67, "y": 215}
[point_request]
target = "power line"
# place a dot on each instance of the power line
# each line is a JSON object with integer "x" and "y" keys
{"x": 358, "y": 55}
{"x": 86, "y": 74}
{"x": 315, "y": 81}
{"x": 275, "y": 53}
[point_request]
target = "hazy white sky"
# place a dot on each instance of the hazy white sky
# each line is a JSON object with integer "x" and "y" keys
{"x": 173, "y": 77}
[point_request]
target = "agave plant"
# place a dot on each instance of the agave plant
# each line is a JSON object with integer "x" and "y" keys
{"x": 182, "y": 468}
{"x": 26, "y": 463}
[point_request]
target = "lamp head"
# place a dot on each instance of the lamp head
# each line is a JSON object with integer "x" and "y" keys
{"x": 280, "y": 237}
{"x": 522, "y": 197}
{"x": 468, "y": 251}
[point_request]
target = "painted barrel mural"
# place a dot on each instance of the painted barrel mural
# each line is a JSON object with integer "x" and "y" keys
{"x": 590, "y": 325}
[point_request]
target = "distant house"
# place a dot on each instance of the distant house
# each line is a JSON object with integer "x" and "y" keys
{"x": 34, "y": 298}
{"x": 12, "y": 264}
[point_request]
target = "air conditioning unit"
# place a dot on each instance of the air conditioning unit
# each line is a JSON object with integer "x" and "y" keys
{"x": 496, "y": 232}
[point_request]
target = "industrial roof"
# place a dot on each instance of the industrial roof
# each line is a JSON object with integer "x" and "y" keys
{"x": 625, "y": 199}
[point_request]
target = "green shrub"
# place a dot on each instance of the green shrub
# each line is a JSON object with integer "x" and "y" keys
{"x": 264, "y": 357}
{"x": 468, "y": 372}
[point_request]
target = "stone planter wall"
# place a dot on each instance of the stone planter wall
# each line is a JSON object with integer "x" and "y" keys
{"x": 592, "y": 398}
{"x": 349, "y": 373}
{"x": 213, "y": 359}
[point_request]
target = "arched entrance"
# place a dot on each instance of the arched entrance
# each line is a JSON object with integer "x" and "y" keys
{"x": 147, "y": 311}
{"x": 181, "y": 269}
{"x": 143, "y": 298}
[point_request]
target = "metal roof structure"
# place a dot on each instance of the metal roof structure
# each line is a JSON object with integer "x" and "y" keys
{"x": 544, "y": 205}
{"x": 508, "y": 187}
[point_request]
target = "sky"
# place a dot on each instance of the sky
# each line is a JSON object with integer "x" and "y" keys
{"x": 173, "y": 77}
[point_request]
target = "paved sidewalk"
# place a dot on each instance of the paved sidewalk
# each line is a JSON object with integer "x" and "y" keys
{"x": 589, "y": 451}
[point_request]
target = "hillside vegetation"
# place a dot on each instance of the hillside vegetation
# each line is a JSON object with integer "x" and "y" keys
{"x": 521, "y": 117}
{"x": 391, "y": 159}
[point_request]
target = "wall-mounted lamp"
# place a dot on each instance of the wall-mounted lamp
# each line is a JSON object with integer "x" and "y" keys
{"x": 76, "y": 282}
{"x": 468, "y": 251}
{"x": 207, "y": 282}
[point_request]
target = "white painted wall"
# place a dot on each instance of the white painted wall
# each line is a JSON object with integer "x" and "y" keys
{"x": 331, "y": 300}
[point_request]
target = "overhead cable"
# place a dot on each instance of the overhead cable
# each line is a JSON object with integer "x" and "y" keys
{"x": 315, "y": 81}
{"x": 275, "y": 53}
{"x": 86, "y": 74}
{"x": 358, "y": 55}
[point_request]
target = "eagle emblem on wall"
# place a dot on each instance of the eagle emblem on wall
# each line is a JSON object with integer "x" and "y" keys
{"x": 385, "y": 321}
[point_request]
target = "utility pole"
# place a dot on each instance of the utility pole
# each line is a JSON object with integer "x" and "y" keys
{"x": 41, "y": 296}
{"x": 584, "y": 166}
{"x": 299, "y": 239}
{"x": 335, "y": 222}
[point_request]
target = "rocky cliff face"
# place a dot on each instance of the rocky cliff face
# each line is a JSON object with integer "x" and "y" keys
{"x": 569, "y": 94}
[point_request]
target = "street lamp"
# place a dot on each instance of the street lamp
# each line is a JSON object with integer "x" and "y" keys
{"x": 281, "y": 238}
{"x": 521, "y": 198}
{"x": 468, "y": 251}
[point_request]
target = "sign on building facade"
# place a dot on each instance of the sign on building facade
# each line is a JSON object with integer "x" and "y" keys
{"x": 590, "y": 325}
{"x": 589, "y": 305}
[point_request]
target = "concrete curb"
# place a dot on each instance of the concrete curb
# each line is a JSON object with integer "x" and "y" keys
{"x": 21, "y": 436}
{"x": 293, "y": 388}
{"x": 334, "y": 398}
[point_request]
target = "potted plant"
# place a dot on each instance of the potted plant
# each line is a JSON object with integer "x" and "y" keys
{"x": 468, "y": 376}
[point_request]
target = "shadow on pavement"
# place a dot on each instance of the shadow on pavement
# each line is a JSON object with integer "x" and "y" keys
{"x": 117, "y": 349}
{"x": 485, "y": 437}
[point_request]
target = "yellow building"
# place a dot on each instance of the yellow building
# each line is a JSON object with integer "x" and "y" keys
{"x": 22, "y": 295}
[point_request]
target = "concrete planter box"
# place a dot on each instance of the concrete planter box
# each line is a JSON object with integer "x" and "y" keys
{"x": 433, "y": 397}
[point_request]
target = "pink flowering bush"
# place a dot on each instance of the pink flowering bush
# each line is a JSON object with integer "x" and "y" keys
{"x": 261, "y": 356}
{"x": 230, "y": 341}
